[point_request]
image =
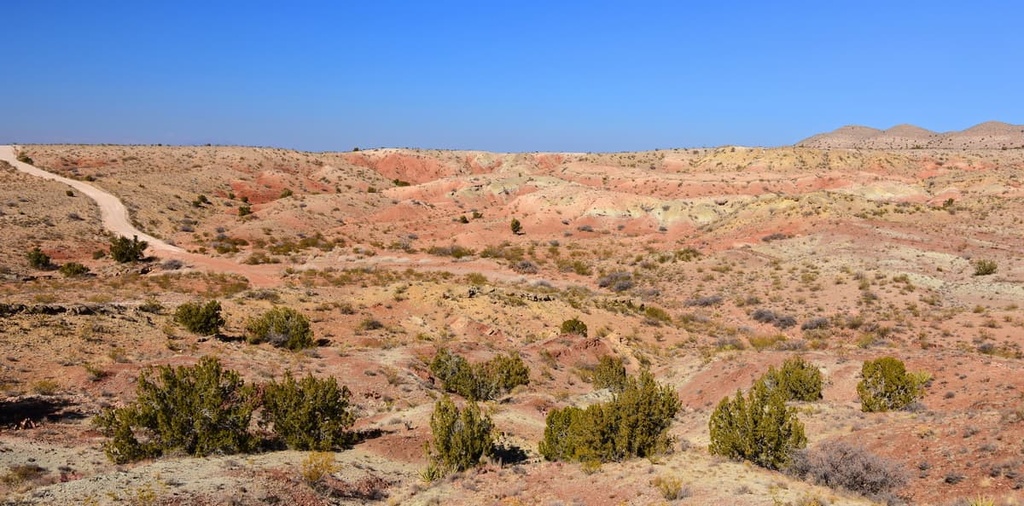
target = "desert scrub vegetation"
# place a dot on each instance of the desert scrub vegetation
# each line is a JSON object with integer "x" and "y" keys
{"x": 19, "y": 474}
{"x": 985, "y": 267}
{"x": 777, "y": 320}
{"x": 124, "y": 250}
{"x": 206, "y": 409}
{"x": 797, "y": 379}
{"x": 73, "y": 270}
{"x": 282, "y": 327}
{"x": 575, "y": 327}
{"x": 671, "y": 487}
{"x": 459, "y": 438}
{"x": 573, "y": 265}
{"x": 610, "y": 373}
{"x": 288, "y": 246}
{"x": 759, "y": 428}
{"x": 516, "y": 226}
{"x": 316, "y": 466}
{"x": 198, "y": 410}
{"x": 619, "y": 281}
{"x": 886, "y": 385}
{"x": 505, "y": 251}
{"x": 308, "y": 414}
{"x": 634, "y": 423}
{"x": 837, "y": 464}
{"x": 705, "y": 301}
{"x": 484, "y": 381}
{"x": 39, "y": 260}
{"x": 198, "y": 318}
{"x": 454, "y": 251}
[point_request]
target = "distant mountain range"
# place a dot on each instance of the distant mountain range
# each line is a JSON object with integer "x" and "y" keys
{"x": 988, "y": 135}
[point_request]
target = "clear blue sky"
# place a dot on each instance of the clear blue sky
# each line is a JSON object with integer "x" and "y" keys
{"x": 501, "y": 75}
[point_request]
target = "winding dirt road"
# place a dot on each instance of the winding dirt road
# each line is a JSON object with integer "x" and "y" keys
{"x": 112, "y": 211}
{"x": 115, "y": 219}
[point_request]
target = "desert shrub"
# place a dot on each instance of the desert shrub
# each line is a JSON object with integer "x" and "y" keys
{"x": 484, "y": 381}
{"x": 458, "y": 438}
{"x": 505, "y": 251}
{"x": 369, "y": 324}
{"x": 886, "y": 385}
{"x": 977, "y": 501}
{"x": 775, "y": 319}
{"x": 454, "y": 251}
{"x": 573, "y": 265}
{"x": 151, "y": 305}
{"x": 39, "y": 260}
{"x": 45, "y": 387}
{"x": 816, "y": 324}
{"x": 798, "y": 380}
{"x": 609, "y": 373}
{"x": 124, "y": 250}
{"x": 317, "y": 465}
{"x": 574, "y": 326}
{"x": 282, "y": 327}
{"x": 634, "y": 423}
{"x": 198, "y": 318}
{"x": 172, "y": 264}
{"x": 198, "y": 410}
{"x": 73, "y": 270}
{"x": 707, "y": 301}
{"x": 985, "y": 267}
{"x": 566, "y": 431}
{"x": 616, "y": 281}
{"x": 309, "y": 414}
{"x": 244, "y": 210}
{"x": 671, "y": 487}
{"x": 454, "y": 372}
{"x": 759, "y": 428}
{"x": 23, "y": 158}
{"x": 17, "y": 474}
{"x": 837, "y": 464}
{"x": 763, "y": 315}
{"x": 525, "y": 267}
{"x": 726, "y": 343}
{"x": 686, "y": 254}
{"x": 516, "y": 226}
{"x": 777, "y": 236}
{"x": 501, "y": 374}
{"x": 761, "y": 343}
{"x": 657, "y": 314}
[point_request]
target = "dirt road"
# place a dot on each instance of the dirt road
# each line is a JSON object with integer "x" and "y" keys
{"x": 114, "y": 214}
{"x": 115, "y": 219}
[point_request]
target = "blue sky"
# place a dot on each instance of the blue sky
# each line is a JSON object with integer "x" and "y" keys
{"x": 501, "y": 75}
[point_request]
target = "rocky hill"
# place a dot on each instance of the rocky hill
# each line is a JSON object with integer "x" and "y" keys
{"x": 988, "y": 135}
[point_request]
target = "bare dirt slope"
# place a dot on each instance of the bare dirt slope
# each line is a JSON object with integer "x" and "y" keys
{"x": 672, "y": 258}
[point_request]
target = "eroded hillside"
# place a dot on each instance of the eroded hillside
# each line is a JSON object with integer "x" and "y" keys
{"x": 705, "y": 266}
